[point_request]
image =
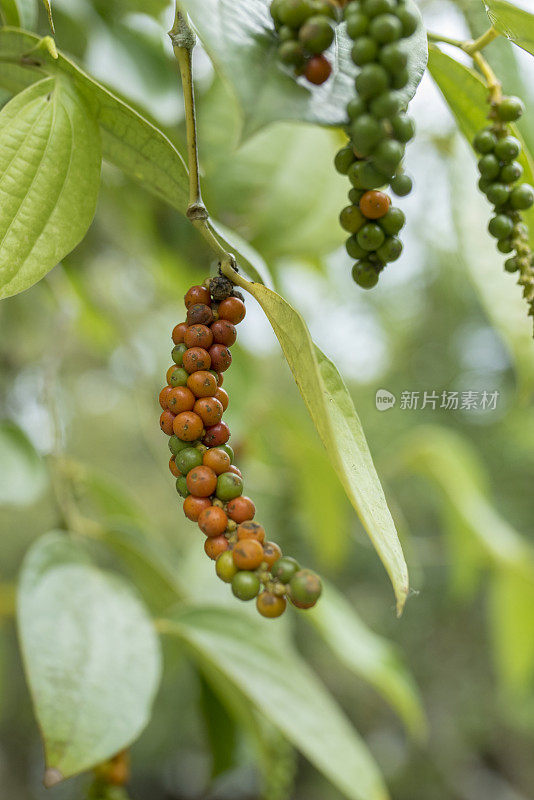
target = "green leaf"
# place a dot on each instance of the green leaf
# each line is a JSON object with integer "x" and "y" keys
{"x": 333, "y": 413}
{"x": 90, "y": 654}
{"x": 515, "y": 23}
{"x": 19, "y": 13}
{"x": 22, "y": 470}
{"x": 50, "y": 175}
{"x": 239, "y": 37}
{"x": 285, "y": 690}
{"x": 369, "y": 656}
{"x": 466, "y": 96}
{"x": 511, "y": 623}
{"x": 220, "y": 729}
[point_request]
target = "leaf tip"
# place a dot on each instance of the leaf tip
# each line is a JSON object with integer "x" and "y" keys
{"x": 52, "y": 777}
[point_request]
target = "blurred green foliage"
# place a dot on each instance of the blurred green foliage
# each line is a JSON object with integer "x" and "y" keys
{"x": 83, "y": 354}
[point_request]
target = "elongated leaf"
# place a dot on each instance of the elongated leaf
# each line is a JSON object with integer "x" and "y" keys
{"x": 333, "y": 413}
{"x": 239, "y": 36}
{"x": 517, "y": 24}
{"x": 220, "y": 730}
{"x": 19, "y": 13}
{"x": 50, "y": 175}
{"x": 511, "y": 623}
{"x": 369, "y": 656}
{"x": 90, "y": 653}
{"x": 284, "y": 689}
{"x": 23, "y": 473}
{"x": 466, "y": 96}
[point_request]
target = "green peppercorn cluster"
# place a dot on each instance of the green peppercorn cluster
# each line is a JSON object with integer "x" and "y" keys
{"x": 378, "y": 129}
{"x": 305, "y": 30}
{"x": 500, "y": 181}
{"x": 193, "y": 404}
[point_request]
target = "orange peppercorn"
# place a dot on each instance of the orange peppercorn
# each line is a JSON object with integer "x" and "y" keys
{"x": 197, "y": 294}
{"x": 209, "y": 410}
{"x": 374, "y": 204}
{"x": 248, "y": 554}
{"x": 198, "y": 336}
{"x": 233, "y": 309}
{"x": 202, "y": 383}
{"x": 213, "y": 521}
{"x": 173, "y": 468}
{"x": 217, "y": 460}
{"x": 194, "y": 506}
{"x": 180, "y": 399}
{"x": 166, "y": 422}
{"x": 163, "y": 396}
{"x": 188, "y": 426}
{"x": 196, "y": 359}
{"x": 223, "y": 332}
{"x": 179, "y": 332}
{"x": 318, "y": 70}
{"x": 270, "y": 605}
{"x": 241, "y": 509}
{"x": 216, "y": 435}
{"x": 251, "y": 530}
{"x": 170, "y": 371}
{"x": 214, "y": 546}
{"x": 271, "y": 553}
{"x": 201, "y": 481}
{"x": 235, "y": 470}
{"x": 220, "y": 357}
{"x": 222, "y": 397}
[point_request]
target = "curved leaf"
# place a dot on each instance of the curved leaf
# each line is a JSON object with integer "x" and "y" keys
{"x": 90, "y": 653}
{"x": 466, "y": 96}
{"x": 239, "y": 36}
{"x": 511, "y": 623}
{"x": 369, "y": 656}
{"x": 50, "y": 175}
{"x": 515, "y": 23}
{"x": 23, "y": 473}
{"x": 286, "y": 692}
{"x": 333, "y": 413}
{"x": 19, "y": 13}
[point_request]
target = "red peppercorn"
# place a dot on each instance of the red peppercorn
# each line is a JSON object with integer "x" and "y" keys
{"x": 318, "y": 70}
{"x": 178, "y": 332}
{"x": 164, "y": 396}
{"x": 220, "y": 356}
{"x": 199, "y": 336}
{"x": 223, "y": 332}
{"x": 166, "y": 421}
{"x": 194, "y": 506}
{"x": 233, "y": 309}
{"x": 216, "y": 435}
{"x": 196, "y": 295}
{"x": 213, "y": 547}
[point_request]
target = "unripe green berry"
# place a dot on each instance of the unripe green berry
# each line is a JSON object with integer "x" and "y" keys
{"x": 176, "y": 445}
{"x": 505, "y": 245}
{"x": 501, "y": 226}
{"x": 403, "y": 127}
{"x": 386, "y": 105}
{"x": 385, "y": 28}
{"x": 366, "y": 132}
{"x": 325, "y": 8}
{"x": 275, "y": 10}
{"x": 375, "y": 7}
{"x": 390, "y": 250}
{"x": 401, "y": 185}
{"x": 370, "y": 236}
{"x": 284, "y": 569}
{"x": 178, "y": 353}
{"x": 511, "y": 173}
{"x": 400, "y": 79}
{"x": 511, "y": 264}
{"x": 409, "y": 20}
{"x": 393, "y": 57}
{"x": 364, "y": 51}
{"x": 522, "y": 197}
{"x": 507, "y": 148}
{"x": 294, "y": 12}
{"x": 316, "y": 35}
{"x": 351, "y": 219}
{"x": 225, "y": 567}
{"x": 229, "y": 485}
{"x": 353, "y": 248}
{"x": 245, "y": 585}
{"x": 305, "y": 588}
{"x": 357, "y": 25}
{"x": 388, "y": 156}
{"x": 355, "y": 107}
{"x": 291, "y": 53}
{"x": 364, "y": 275}
{"x": 510, "y": 109}
{"x": 344, "y": 158}
{"x": 497, "y": 193}
{"x": 489, "y": 166}
{"x": 179, "y": 377}
{"x": 286, "y": 34}
{"x": 484, "y": 142}
{"x": 392, "y": 221}
{"x": 371, "y": 81}
{"x": 188, "y": 458}
{"x": 355, "y": 195}
{"x": 484, "y": 184}
{"x": 363, "y": 175}
{"x": 181, "y": 486}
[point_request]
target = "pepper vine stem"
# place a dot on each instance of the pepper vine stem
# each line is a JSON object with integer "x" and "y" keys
{"x": 183, "y": 42}
{"x": 473, "y": 48}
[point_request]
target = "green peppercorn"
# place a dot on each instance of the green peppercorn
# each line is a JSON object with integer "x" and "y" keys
{"x": 370, "y": 236}
{"x": 366, "y": 132}
{"x": 510, "y": 109}
{"x": 497, "y": 193}
{"x": 400, "y": 79}
{"x": 511, "y": 173}
{"x": 390, "y": 250}
{"x": 178, "y": 353}
{"x": 176, "y": 445}
{"x": 500, "y": 226}
{"x": 403, "y": 127}
{"x": 394, "y": 57}
{"x": 316, "y": 35}
{"x": 305, "y": 588}
{"x": 181, "y": 486}
{"x": 522, "y": 197}
{"x": 511, "y": 264}
{"x": 364, "y": 51}
{"x": 386, "y": 105}
{"x": 188, "y": 458}
{"x": 245, "y": 585}
{"x": 409, "y": 20}
{"x": 484, "y": 184}
{"x": 401, "y": 185}
{"x": 385, "y": 28}
{"x": 229, "y": 485}
{"x": 371, "y": 81}
{"x": 291, "y": 53}
{"x": 388, "y": 156}
{"x": 225, "y": 567}
{"x": 344, "y": 158}
{"x": 325, "y": 8}
{"x": 507, "y": 148}
{"x": 392, "y": 221}
{"x": 364, "y": 175}
{"x": 357, "y": 25}
{"x": 364, "y": 274}
{"x": 179, "y": 377}
{"x": 355, "y": 195}
{"x": 286, "y": 34}
{"x": 351, "y": 219}
{"x": 294, "y": 12}
{"x": 505, "y": 245}
{"x": 484, "y": 142}
{"x": 227, "y": 449}
{"x": 375, "y": 7}
{"x": 284, "y": 569}
{"x": 355, "y": 107}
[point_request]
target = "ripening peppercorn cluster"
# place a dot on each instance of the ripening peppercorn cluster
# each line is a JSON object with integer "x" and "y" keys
{"x": 500, "y": 176}
{"x": 378, "y": 130}
{"x": 305, "y": 30}
{"x": 193, "y": 404}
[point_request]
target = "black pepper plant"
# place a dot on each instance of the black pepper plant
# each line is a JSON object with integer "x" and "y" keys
{"x": 353, "y": 66}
